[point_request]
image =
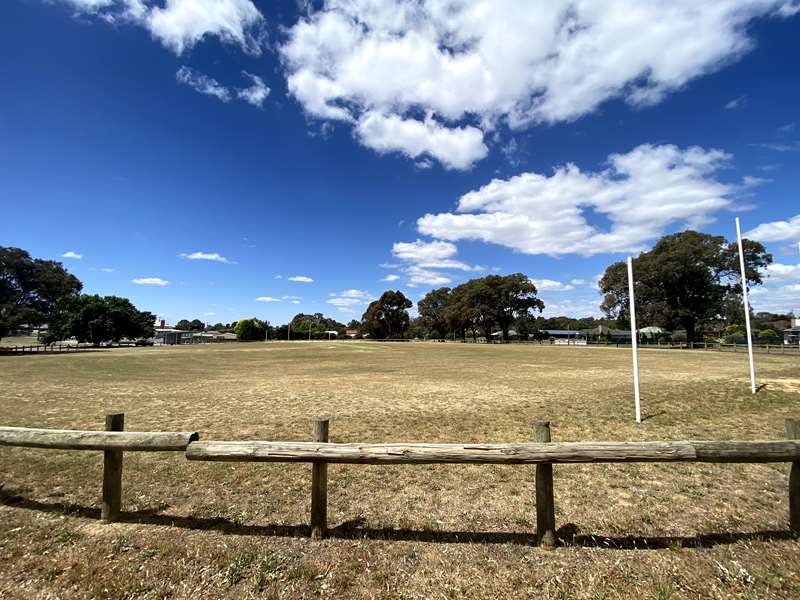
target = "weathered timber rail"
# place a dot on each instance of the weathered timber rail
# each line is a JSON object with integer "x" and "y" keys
{"x": 508, "y": 454}
{"x": 68, "y": 439}
{"x": 542, "y": 452}
{"x": 112, "y": 442}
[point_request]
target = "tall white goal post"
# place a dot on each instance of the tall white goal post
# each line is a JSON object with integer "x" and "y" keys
{"x": 746, "y": 307}
{"x": 634, "y": 342}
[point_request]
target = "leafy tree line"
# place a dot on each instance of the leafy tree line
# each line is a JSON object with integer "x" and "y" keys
{"x": 98, "y": 319}
{"x": 688, "y": 280}
{"x": 299, "y": 327}
{"x": 34, "y": 292}
{"x": 474, "y": 308}
{"x": 30, "y": 288}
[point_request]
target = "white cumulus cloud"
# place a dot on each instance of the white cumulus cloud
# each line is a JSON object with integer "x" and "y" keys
{"x": 454, "y": 147}
{"x": 301, "y": 279}
{"x": 550, "y": 285}
{"x": 209, "y": 256}
{"x": 432, "y": 77}
{"x": 423, "y": 261}
{"x": 641, "y": 193}
{"x": 72, "y": 254}
{"x": 267, "y": 299}
{"x": 149, "y": 281}
{"x": 256, "y": 92}
{"x": 348, "y": 300}
{"x": 776, "y": 231}
{"x": 181, "y": 24}
{"x": 391, "y": 277}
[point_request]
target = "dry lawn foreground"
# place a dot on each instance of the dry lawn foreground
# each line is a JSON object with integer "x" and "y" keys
{"x": 210, "y": 530}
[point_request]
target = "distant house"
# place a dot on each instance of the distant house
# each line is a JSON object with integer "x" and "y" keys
{"x": 351, "y": 333}
{"x": 607, "y": 333}
{"x": 499, "y": 334}
{"x": 792, "y": 335}
{"x": 169, "y": 335}
{"x": 560, "y": 333}
{"x": 652, "y": 332}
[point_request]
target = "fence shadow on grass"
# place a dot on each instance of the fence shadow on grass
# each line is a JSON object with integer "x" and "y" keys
{"x": 569, "y": 534}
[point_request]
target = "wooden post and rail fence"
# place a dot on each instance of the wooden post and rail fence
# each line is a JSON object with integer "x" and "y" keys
{"x": 542, "y": 452}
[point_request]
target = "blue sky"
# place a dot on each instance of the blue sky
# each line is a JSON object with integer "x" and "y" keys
{"x": 198, "y": 156}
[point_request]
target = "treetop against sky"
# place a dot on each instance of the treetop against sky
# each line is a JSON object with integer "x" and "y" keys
{"x": 232, "y": 158}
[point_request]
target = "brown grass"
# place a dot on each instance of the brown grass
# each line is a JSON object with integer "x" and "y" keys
{"x": 205, "y": 530}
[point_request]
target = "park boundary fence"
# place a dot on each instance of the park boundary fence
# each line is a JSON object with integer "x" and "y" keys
{"x": 542, "y": 452}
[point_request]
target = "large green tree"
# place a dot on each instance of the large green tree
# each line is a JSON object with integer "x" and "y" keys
{"x": 30, "y": 288}
{"x": 493, "y": 301}
{"x": 431, "y": 310}
{"x": 317, "y": 323}
{"x": 687, "y": 280}
{"x": 98, "y": 319}
{"x": 248, "y": 330}
{"x": 387, "y": 317}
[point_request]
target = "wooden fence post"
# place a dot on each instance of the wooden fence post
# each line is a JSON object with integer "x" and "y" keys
{"x": 112, "y": 473}
{"x": 793, "y": 433}
{"x": 545, "y": 505}
{"x": 319, "y": 484}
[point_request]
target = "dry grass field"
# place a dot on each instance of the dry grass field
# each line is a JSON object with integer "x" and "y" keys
{"x": 209, "y": 530}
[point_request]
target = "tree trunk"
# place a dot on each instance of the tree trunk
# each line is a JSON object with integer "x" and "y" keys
{"x": 689, "y": 326}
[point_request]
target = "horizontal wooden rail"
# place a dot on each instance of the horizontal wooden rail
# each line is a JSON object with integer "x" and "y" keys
{"x": 542, "y": 452}
{"x": 67, "y": 439}
{"x": 527, "y": 453}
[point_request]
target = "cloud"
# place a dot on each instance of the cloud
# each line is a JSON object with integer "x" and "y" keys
{"x": 776, "y": 298}
{"x": 150, "y": 281}
{"x": 456, "y": 148}
{"x": 71, "y": 254}
{"x": 347, "y": 300}
{"x": 641, "y": 194}
{"x": 579, "y": 282}
{"x": 295, "y": 301}
{"x": 301, "y": 279}
{"x": 781, "y": 273}
{"x": 777, "y": 146}
{"x": 391, "y": 277}
{"x": 202, "y": 83}
{"x": 423, "y": 260}
{"x": 776, "y": 231}
{"x": 209, "y": 256}
{"x": 181, "y": 24}
{"x": 256, "y": 93}
{"x": 736, "y": 103}
{"x": 549, "y": 285}
{"x": 432, "y": 78}
{"x": 573, "y": 306}
{"x": 107, "y": 270}
{"x": 267, "y": 299}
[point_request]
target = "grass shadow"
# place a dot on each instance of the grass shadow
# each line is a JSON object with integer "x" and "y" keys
{"x": 568, "y": 534}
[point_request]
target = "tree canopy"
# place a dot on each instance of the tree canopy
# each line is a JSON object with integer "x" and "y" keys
{"x": 98, "y": 319}
{"x": 30, "y": 288}
{"x": 479, "y": 305}
{"x": 387, "y": 317}
{"x": 249, "y": 330}
{"x": 687, "y": 280}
